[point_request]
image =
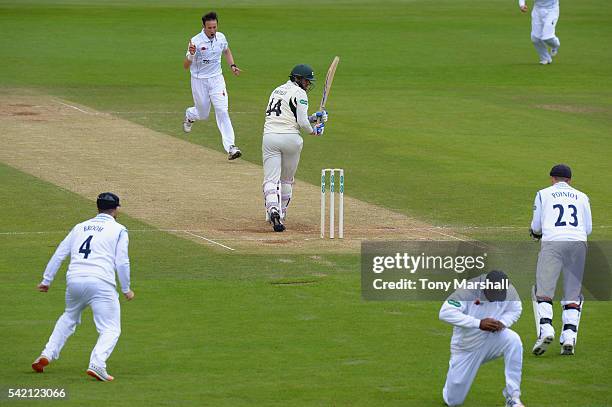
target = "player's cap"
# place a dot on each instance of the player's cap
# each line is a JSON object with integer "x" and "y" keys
{"x": 496, "y": 276}
{"x": 304, "y": 71}
{"x": 107, "y": 200}
{"x": 561, "y": 170}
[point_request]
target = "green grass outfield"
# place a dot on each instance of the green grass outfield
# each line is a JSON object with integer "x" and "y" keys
{"x": 433, "y": 110}
{"x": 207, "y": 328}
{"x": 434, "y": 113}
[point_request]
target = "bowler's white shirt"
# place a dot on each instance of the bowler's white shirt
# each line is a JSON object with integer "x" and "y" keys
{"x": 97, "y": 247}
{"x": 562, "y": 213}
{"x": 287, "y": 110}
{"x": 465, "y": 308}
{"x": 207, "y": 59}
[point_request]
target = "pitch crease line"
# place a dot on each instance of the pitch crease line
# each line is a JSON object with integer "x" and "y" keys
{"x": 208, "y": 240}
{"x": 445, "y": 234}
{"x": 73, "y": 107}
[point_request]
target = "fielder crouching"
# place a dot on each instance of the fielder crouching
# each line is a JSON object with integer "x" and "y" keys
{"x": 481, "y": 320}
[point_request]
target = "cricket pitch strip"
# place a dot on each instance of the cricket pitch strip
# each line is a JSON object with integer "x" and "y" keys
{"x": 175, "y": 185}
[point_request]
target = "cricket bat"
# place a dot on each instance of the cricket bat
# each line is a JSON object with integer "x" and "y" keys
{"x": 329, "y": 78}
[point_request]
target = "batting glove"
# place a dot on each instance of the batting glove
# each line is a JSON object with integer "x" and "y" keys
{"x": 322, "y": 116}
{"x": 318, "y": 117}
{"x": 318, "y": 129}
{"x": 534, "y": 235}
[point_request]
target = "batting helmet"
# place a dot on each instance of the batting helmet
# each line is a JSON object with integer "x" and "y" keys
{"x": 107, "y": 200}
{"x": 302, "y": 71}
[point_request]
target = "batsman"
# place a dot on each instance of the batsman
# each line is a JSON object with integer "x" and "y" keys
{"x": 286, "y": 115}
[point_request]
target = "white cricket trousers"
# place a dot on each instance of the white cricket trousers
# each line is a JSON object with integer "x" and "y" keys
{"x": 205, "y": 92}
{"x": 543, "y": 24}
{"x": 281, "y": 156}
{"x": 463, "y": 366}
{"x": 104, "y": 302}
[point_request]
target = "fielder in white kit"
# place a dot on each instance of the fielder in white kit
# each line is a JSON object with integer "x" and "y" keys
{"x": 97, "y": 247}
{"x": 286, "y": 115}
{"x": 203, "y": 59}
{"x": 562, "y": 220}
{"x": 481, "y": 333}
{"x": 544, "y": 17}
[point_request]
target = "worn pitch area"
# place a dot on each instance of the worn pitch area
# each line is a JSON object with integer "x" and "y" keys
{"x": 174, "y": 185}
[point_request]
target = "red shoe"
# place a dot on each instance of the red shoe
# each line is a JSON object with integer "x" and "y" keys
{"x": 40, "y": 363}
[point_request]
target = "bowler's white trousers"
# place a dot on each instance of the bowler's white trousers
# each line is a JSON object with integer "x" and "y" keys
{"x": 104, "y": 302}
{"x": 213, "y": 90}
{"x": 463, "y": 366}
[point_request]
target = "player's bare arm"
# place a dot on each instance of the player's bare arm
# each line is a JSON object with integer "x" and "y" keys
{"x": 230, "y": 61}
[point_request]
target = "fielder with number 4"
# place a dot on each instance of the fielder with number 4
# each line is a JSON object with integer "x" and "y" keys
{"x": 286, "y": 115}
{"x": 97, "y": 248}
{"x": 562, "y": 220}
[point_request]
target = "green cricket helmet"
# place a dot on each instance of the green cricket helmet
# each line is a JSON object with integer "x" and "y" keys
{"x": 302, "y": 71}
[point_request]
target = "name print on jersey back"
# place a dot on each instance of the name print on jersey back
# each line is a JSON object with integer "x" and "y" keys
{"x": 281, "y": 112}
{"x": 562, "y": 213}
{"x": 93, "y": 248}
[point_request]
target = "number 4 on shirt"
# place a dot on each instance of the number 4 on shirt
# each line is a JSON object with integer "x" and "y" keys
{"x": 85, "y": 247}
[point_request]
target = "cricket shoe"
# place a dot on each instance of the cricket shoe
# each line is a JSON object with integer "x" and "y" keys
{"x": 234, "y": 152}
{"x": 514, "y": 402}
{"x": 40, "y": 363}
{"x": 554, "y": 52}
{"x": 99, "y": 373}
{"x": 542, "y": 345}
{"x": 276, "y": 221}
{"x": 567, "y": 348}
{"x": 545, "y": 61}
{"x": 187, "y": 125}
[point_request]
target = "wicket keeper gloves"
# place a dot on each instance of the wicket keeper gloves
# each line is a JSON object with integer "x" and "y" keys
{"x": 536, "y": 236}
{"x": 318, "y": 129}
{"x": 318, "y": 116}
